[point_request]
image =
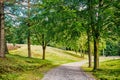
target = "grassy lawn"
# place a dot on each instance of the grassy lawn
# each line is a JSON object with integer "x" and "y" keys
{"x": 16, "y": 65}
{"x": 109, "y": 70}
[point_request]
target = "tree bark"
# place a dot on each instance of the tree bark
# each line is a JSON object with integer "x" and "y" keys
{"x": 44, "y": 48}
{"x": 2, "y": 32}
{"x": 89, "y": 32}
{"x": 89, "y": 50}
{"x": 96, "y": 37}
{"x": 6, "y": 48}
{"x": 28, "y": 38}
{"x": 96, "y": 50}
{"x": 0, "y": 24}
{"x": 29, "y": 47}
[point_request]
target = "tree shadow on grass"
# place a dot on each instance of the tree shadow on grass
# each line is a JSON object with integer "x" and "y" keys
{"x": 18, "y": 64}
{"x": 27, "y": 59}
{"x": 75, "y": 55}
{"x": 69, "y": 53}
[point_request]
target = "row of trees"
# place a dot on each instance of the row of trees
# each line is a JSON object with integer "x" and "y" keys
{"x": 77, "y": 25}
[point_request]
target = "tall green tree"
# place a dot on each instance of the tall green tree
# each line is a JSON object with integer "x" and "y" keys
{"x": 96, "y": 28}
{"x": 101, "y": 21}
{"x": 44, "y": 24}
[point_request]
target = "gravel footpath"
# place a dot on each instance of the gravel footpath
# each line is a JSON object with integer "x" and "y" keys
{"x": 70, "y": 71}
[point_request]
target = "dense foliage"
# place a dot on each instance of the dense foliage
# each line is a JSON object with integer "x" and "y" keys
{"x": 84, "y": 26}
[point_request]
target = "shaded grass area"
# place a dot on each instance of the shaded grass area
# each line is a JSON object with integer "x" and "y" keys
{"x": 17, "y": 66}
{"x": 109, "y": 70}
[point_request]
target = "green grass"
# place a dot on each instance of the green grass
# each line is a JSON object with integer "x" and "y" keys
{"x": 17, "y": 66}
{"x": 56, "y": 56}
{"x": 109, "y": 70}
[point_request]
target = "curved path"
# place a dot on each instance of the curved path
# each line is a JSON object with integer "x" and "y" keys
{"x": 70, "y": 71}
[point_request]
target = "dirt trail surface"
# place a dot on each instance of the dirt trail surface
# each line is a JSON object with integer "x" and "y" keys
{"x": 70, "y": 71}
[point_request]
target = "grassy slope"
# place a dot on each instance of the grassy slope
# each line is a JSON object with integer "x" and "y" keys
{"x": 16, "y": 65}
{"x": 109, "y": 70}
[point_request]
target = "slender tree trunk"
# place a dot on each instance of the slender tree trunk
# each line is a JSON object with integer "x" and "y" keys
{"x": 44, "y": 48}
{"x": 0, "y": 24}
{"x": 96, "y": 37}
{"x": 89, "y": 50}
{"x": 89, "y": 32}
{"x": 96, "y": 54}
{"x": 103, "y": 52}
{"x": 83, "y": 53}
{"x": 28, "y": 38}
{"x": 6, "y": 48}
{"x": 2, "y": 32}
{"x": 29, "y": 47}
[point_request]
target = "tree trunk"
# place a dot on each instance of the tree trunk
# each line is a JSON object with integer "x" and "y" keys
{"x": 96, "y": 37}
{"x": 2, "y": 32}
{"x": 0, "y": 24}
{"x": 89, "y": 32}
{"x": 29, "y": 47}
{"x": 44, "y": 48}
{"x": 103, "y": 52}
{"x": 6, "y": 48}
{"x": 28, "y": 38}
{"x": 81, "y": 52}
{"x": 89, "y": 50}
{"x": 96, "y": 54}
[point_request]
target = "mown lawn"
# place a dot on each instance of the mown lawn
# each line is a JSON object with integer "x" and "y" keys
{"x": 109, "y": 70}
{"x": 17, "y": 66}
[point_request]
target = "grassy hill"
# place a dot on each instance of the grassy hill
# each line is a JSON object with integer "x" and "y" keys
{"x": 17, "y": 66}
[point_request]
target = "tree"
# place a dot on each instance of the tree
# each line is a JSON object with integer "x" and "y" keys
{"x": 2, "y": 32}
{"x": 43, "y": 24}
{"x": 28, "y": 37}
{"x": 117, "y": 21}
{"x": 87, "y": 23}
{"x": 101, "y": 22}
{"x": 96, "y": 33}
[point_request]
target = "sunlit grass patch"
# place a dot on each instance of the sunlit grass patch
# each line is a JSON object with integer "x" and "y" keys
{"x": 109, "y": 70}
{"x": 17, "y": 66}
